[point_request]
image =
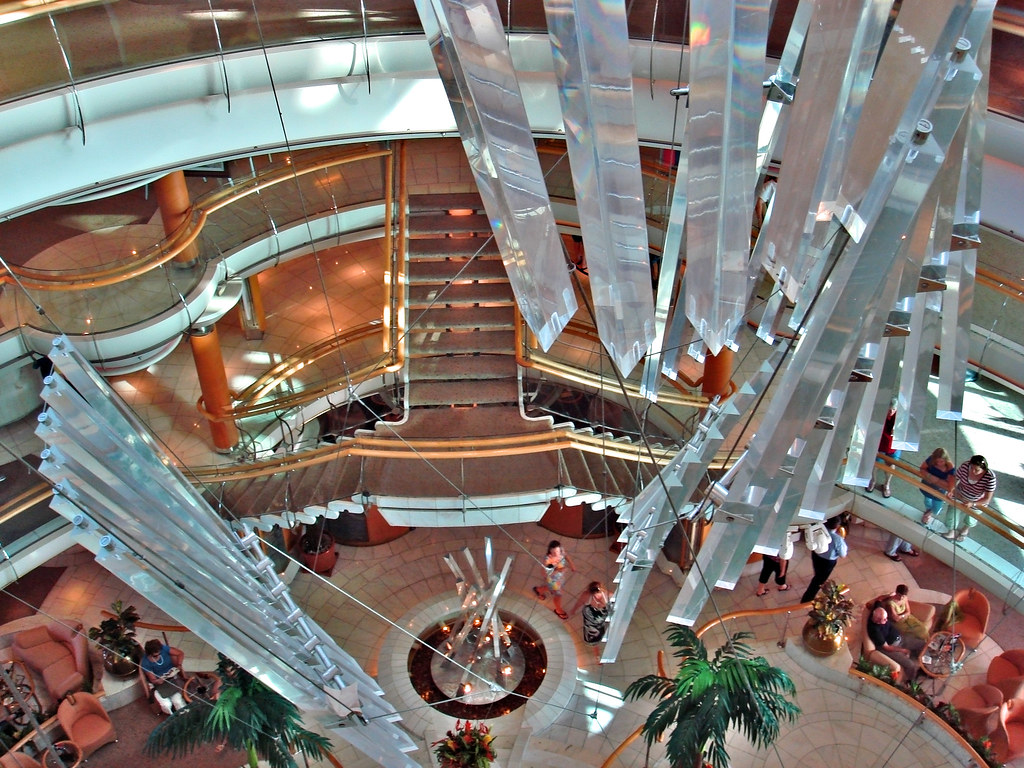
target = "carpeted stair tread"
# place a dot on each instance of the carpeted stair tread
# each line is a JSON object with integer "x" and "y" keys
{"x": 440, "y": 223}
{"x": 445, "y": 201}
{"x": 424, "y": 393}
{"x": 491, "y": 294}
{"x": 498, "y": 340}
{"x": 461, "y": 318}
{"x": 460, "y": 368}
{"x": 446, "y": 270}
{"x": 446, "y": 478}
{"x": 429, "y": 247}
{"x": 485, "y": 421}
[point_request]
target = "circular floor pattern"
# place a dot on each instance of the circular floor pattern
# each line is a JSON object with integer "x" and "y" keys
{"x": 465, "y": 680}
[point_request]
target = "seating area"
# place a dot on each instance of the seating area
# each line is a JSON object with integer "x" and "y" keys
{"x": 58, "y": 653}
{"x": 994, "y": 708}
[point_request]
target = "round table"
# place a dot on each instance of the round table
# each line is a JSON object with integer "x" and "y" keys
{"x": 69, "y": 755}
{"x": 943, "y": 654}
{"x": 202, "y": 685}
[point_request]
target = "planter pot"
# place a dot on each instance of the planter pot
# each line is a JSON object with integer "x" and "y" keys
{"x": 822, "y": 646}
{"x": 121, "y": 666}
{"x": 324, "y": 557}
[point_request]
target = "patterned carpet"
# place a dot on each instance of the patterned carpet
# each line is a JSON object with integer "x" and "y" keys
{"x": 134, "y": 723}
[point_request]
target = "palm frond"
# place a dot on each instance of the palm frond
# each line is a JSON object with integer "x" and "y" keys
{"x": 706, "y": 697}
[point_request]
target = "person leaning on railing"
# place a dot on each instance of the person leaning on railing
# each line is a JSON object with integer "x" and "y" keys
{"x": 975, "y": 485}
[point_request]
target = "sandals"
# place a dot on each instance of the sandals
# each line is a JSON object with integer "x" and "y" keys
{"x": 761, "y": 593}
{"x": 562, "y": 615}
{"x": 540, "y": 595}
{"x": 784, "y": 588}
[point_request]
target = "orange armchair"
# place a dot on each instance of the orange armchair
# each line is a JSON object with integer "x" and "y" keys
{"x": 1008, "y": 737}
{"x": 58, "y": 653}
{"x": 86, "y": 722}
{"x": 979, "y": 709}
{"x": 18, "y": 760}
{"x": 1006, "y": 672}
{"x": 972, "y": 620}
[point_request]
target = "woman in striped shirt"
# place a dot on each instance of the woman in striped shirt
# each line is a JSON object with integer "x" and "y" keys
{"x": 975, "y": 486}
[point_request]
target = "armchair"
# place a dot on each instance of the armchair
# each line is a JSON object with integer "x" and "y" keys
{"x": 971, "y": 616}
{"x": 979, "y": 709}
{"x": 1008, "y": 737}
{"x": 1006, "y": 672}
{"x": 58, "y": 653}
{"x": 86, "y": 722}
{"x": 18, "y": 760}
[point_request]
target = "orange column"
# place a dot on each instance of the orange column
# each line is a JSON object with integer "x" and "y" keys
{"x": 717, "y": 374}
{"x": 213, "y": 383}
{"x": 172, "y": 197}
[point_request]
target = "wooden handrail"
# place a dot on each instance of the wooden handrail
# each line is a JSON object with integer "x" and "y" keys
{"x": 1008, "y": 529}
{"x": 149, "y": 625}
{"x": 964, "y": 744}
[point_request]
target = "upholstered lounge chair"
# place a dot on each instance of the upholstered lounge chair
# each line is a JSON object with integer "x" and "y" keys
{"x": 18, "y": 760}
{"x": 979, "y": 708}
{"x": 1006, "y": 672}
{"x": 86, "y": 722}
{"x": 56, "y": 652}
{"x": 972, "y": 621}
{"x": 1008, "y": 737}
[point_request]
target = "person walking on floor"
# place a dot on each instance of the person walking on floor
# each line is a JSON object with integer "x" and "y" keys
{"x": 974, "y": 486}
{"x": 825, "y": 563}
{"x": 556, "y": 566}
{"x": 775, "y": 565}
{"x": 595, "y": 614}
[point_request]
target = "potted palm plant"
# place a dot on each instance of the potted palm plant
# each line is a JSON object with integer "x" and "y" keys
{"x": 707, "y": 697}
{"x": 831, "y": 613}
{"x": 115, "y": 637}
{"x": 247, "y": 715}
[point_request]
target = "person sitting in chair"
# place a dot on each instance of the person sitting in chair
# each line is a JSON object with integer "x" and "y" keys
{"x": 161, "y": 665}
{"x": 887, "y": 639}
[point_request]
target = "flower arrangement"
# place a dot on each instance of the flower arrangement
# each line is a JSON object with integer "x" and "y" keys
{"x": 831, "y": 610}
{"x": 943, "y": 709}
{"x": 467, "y": 745}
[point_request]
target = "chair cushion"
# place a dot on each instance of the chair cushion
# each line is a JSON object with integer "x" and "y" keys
{"x": 62, "y": 676}
{"x": 37, "y": 649}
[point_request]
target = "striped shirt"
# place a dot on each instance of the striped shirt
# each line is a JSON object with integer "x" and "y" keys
{"x": 972, "y": 490}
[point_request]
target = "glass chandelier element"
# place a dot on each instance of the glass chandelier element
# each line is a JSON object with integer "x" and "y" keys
{"x": 840, "y": 51}
{"x": 473, "y": 60}
{"x": 727, "y": 46}
{"x": 151, "y": 528}
{"x": 666, "y": 501}
{"x": 481, "y": 646}
{"x": 590, "y": 44}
